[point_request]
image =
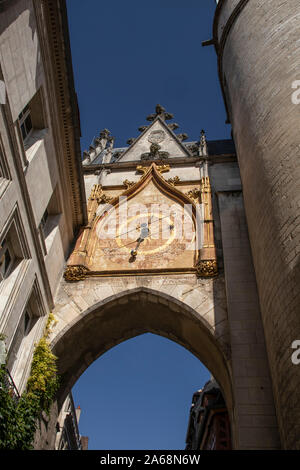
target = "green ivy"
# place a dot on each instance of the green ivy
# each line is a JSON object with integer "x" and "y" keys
{"x": 18, "y": 422}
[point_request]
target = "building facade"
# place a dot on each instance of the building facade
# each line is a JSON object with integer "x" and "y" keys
{"x": 209, "y": 425}
{"x": 153, "y": 236}
{"x": 67, "y": 431}
{"x": 42, "y": 202}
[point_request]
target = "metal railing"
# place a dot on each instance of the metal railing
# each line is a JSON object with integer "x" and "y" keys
{"x": 9, "y": 385}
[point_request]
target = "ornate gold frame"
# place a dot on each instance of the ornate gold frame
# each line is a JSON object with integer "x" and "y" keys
{"x": 205, "y": 262}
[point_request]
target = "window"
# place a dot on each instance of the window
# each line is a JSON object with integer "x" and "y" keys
{"x": 6, "y": 259}
{"x": 4, "y": 170}
{"x": 25, "y": 122}
{"x": 31, "y": 125}
{"x": 50, "y": 221}
{"x": 2, "y": 173}
{"x": 27, "y": 320}
{"x": 44, "y": 221}
{"x": 23, "y": 330}
{"x": 26, "y": 332}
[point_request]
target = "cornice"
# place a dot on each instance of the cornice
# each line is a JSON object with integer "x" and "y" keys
{"x": 175, "y": 162}
{"x": 54, "y": 41}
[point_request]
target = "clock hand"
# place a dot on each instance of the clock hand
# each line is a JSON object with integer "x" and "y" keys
{"x": 144, "y": 233}
{"x": 134, "y": 229}
{"x": 171, "y": 227}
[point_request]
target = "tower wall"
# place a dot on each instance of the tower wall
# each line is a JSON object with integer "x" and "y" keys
{"x": 257, "y": 42}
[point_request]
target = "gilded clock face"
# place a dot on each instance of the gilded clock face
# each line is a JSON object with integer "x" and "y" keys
{"x": 146, "y": 234}
{"x": 150, "y": 234}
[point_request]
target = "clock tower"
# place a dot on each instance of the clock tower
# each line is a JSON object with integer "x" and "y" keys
{"x": 165, "y": 250}
{"x": 149, "y": 206}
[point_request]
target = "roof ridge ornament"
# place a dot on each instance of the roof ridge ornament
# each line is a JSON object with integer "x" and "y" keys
{"x": 161, "y": 112}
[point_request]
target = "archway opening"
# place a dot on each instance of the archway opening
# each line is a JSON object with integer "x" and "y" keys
{"x": 130, "y": 315}
{"x": 138, "y": 395}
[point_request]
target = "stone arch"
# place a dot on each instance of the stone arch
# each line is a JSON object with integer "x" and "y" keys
{"x": 128, "y": 314}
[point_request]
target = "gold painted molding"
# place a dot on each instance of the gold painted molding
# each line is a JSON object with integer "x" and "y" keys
{"x": 160, "y": 168}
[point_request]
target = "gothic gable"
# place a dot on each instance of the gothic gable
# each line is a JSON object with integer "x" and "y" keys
{"x": 157, "y": 140}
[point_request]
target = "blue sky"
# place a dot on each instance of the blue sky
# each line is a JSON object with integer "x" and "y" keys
{"x": 127, "y": 57}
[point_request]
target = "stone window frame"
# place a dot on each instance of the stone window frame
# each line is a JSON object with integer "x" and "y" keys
{"x": 25, "y": 123}
{"x": 50, "y": 221}
{"x": 36, "y": 110}
{"x": 6, "y": 248}
{"x": 25, "y": 336}
{"x": 14, "y": 234}
{"x": 5, "y": 176}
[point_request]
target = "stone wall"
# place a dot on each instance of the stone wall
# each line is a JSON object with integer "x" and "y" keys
{"x": 258, "y": 51}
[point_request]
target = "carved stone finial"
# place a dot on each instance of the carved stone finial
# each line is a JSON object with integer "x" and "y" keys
{"x": 173, "y": 126}
{"x": 182, "y": 137}
{"x": 203, "y": 144}
{"x": 143, "y": 128}
{"x": 104, "y": 134}
{"x": 155, "y": 153}
{"x": 161, "y": 112}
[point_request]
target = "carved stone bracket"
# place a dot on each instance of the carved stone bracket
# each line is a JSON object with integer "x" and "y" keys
{"x": 207, "y": 268}
{"x": 194, "y": 194}
{"x": 75, "y": 273}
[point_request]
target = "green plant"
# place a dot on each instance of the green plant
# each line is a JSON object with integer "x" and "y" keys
{"x": 18, "y": 422}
